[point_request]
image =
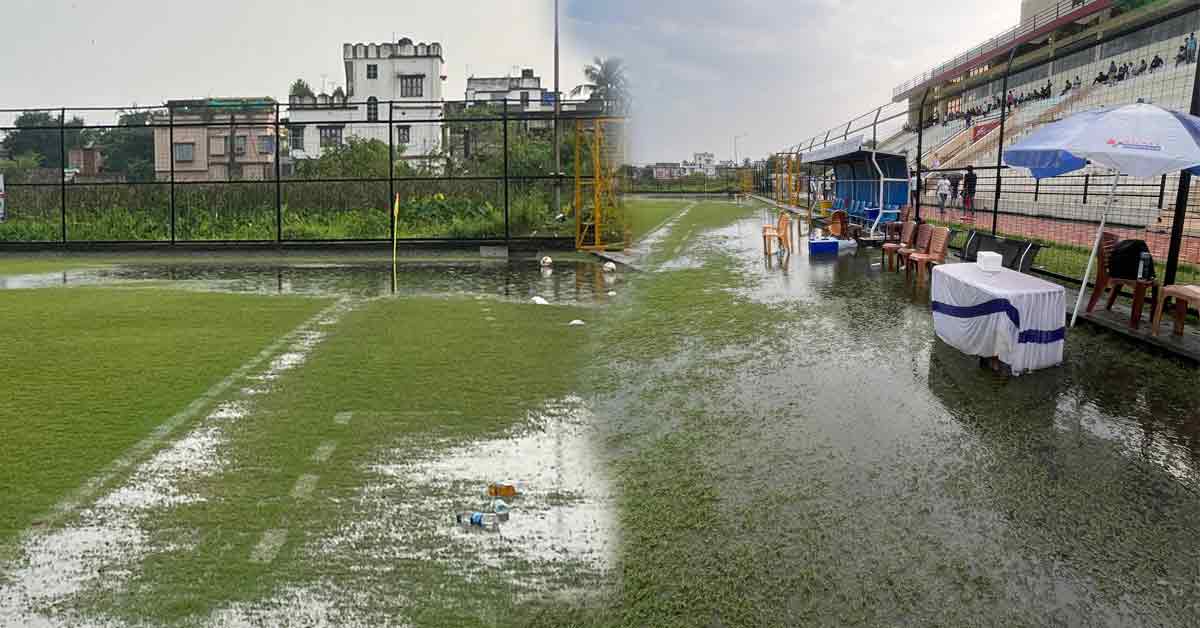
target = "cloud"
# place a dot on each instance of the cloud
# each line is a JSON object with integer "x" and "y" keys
{"x": 778, "y": 71}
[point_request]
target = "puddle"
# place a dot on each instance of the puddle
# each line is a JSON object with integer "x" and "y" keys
{"x": 564, "y": 517}
{"x": 565, "y": 283}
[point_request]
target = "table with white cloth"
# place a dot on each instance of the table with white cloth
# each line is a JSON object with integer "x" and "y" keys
{"x": 1015, "y": 317}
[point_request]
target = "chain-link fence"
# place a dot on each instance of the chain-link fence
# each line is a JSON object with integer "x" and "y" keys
{"x": 256, "y": 170}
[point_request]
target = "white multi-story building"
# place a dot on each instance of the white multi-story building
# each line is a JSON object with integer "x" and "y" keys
{"x": 405, "y": 74}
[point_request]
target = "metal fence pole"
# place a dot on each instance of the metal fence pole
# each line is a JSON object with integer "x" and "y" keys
{"x": 171, "y": 139}
{"x": 392, "y": 167}
{"x": 62, "y": 170}
{"x": 1181, "y": 198}
{"x": 278, "y": 183}
{"x": 1000, "y": 145}
{"x": 504, "y": 121}
{"x": 920, "y": 147}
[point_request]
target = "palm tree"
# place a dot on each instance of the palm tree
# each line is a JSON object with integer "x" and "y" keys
{"x": 607, "y": 83}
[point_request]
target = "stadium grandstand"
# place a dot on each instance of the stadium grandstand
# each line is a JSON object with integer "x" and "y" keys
{"x": 1066, "y": 56}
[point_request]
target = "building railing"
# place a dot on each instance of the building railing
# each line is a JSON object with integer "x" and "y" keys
{"x": 1076, "y": 9}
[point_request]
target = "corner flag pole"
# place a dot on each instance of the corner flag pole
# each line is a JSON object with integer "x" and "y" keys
{"x": 395, "y": 219}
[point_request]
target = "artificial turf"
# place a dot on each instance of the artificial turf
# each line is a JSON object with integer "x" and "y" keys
{"x": 647, "y": 214}
{"x": 89, "y": 372}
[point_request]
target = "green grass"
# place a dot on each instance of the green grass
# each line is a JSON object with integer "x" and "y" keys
{"x": 90, "y": 372}
{"x": 645, "y": 215}
{"x": 411, "y": 370}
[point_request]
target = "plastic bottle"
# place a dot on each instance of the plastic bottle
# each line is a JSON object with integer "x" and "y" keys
{"x": 485, "y": 520}
{"x": 500, "y": 507}
{"x": 1145, "y": 266}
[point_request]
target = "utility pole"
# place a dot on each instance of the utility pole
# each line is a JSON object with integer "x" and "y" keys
{"x": 557, "y": 130}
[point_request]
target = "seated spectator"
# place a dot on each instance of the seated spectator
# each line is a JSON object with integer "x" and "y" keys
{"x": 1122, "y": 73}
{"x": 1141, "y": 69}
{"x": 1066, "y": 90}
{"x": 1101, "y": 79}
{"x": 1156, "y": 63}
{"x": 1078, "y": 83}
{"x": 1181, "y": 56}
{"x": 1112, "y": 68}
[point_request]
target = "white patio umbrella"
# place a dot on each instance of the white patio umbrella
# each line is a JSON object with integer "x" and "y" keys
{"x": 1138, "y": 140}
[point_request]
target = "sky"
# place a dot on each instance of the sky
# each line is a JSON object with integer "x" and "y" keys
{"x": 773, "y": 72}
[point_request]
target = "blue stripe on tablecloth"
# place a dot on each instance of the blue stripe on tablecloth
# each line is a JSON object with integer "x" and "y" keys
{"x": 998, "y": 306}
{"x": 1042, "y": 336}
{"x": 987, "y": 308}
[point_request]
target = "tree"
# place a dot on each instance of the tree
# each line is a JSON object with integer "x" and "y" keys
{"x": 38, "y": 132}
{"x": 356, "y": 158}
{"x": 130, "y": 151}
{"x": 301, "y": 88}
{"x": 17, "y": 169}
{"x": 606, "y": 83}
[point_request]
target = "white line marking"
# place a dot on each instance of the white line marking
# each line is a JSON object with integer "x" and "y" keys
{"x": 269, "y": 545}
{"x": 324, "y": 451}
{"x": 305, "y": 486}
{"x": 343, "y": 418}
{"x": 140, "y": 449}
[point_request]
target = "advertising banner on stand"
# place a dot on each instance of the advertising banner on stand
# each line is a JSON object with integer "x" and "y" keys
{"x": 3, "y": 208}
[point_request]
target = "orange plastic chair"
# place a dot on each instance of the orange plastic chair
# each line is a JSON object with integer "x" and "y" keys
{"x": 839, "y": 225}
{"x": 924, "y": 234}
{"x": 1105, "y": 282}
{"x": 781, "y": 232}
{"x": 1183, "y": 296}
{"x": 939, "y": 243}
{"x": 908, "y": 232}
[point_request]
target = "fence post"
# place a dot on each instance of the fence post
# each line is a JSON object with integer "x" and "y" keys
{"x": 920, "y": 147}
{"x": 1162, "y": 191}
{"x": 392, "y": 167}
{"x": 171, "y": 157}
{"x": 1037, "y": 189}
{"x": 1087, "y": 179}
{"x": 1000, "y": 145}
{"x": 62, "y": 171}
{"x": 1181, "y": 198}
{"x": 504, "y": 121}
{"x": 278, "y": 183}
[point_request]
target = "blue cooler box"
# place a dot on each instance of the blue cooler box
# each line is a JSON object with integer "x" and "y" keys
{"x": 821, "y": 246}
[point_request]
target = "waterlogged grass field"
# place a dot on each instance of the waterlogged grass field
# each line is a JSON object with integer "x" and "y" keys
{"x": 725, "y": 441}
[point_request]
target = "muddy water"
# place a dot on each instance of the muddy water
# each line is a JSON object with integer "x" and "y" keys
{"x": 566, "y": 282}
{"x": 939, "y": 492}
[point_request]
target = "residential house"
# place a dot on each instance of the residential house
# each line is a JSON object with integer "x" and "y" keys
{"x": 391, "y": 88}
{"x": 216, "y": 139}
{"x": 666, "y": 171}
{"x": 525, "y": 90}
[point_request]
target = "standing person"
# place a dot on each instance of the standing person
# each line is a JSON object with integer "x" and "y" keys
{"x": 969, "y": 183}
{"x": 954, "y": 190}
{"x": 914, "y": 188}
{"x": 1191, "y": 48}
{"x": 943, "y": 192}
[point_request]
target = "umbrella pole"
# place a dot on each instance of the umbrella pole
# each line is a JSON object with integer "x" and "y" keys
{"x": 1112, "y": 197}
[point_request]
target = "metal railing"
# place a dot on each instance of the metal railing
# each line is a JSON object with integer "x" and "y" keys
{"x": 1074, "y": 9}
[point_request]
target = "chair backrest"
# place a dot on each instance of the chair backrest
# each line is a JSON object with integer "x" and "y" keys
{"x": 784, "y": 218}
{"x": 839, "y": 225}
{"x": 1024, "y": 263}
{"x": 908, "y": 233}
{"x": 892, "y": 231}
{"x": 939, "y": 242}
{"x": 970, "y": 249}
{"x": 906, "y": 213}
{"x": 924, "y": 235}
{"x": 1108, "y": 242}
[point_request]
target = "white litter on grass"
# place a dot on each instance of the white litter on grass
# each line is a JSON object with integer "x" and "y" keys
{"x": 269, "y": 545}
{"x": 576, "y": 323}
{"x": 540, "y": 301}
{"x": 324, "y": 451}
{"x": 305, "y": 485}
{"x": 343, "y": 418}
{"x": 610, "y": 267}
{"x": 100, "y": 547}
{"x": 546, "y": 261}
{"x": 612, "y": 293}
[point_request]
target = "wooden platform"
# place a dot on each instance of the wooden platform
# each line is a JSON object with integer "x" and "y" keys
{"x": 1186, "y": 346}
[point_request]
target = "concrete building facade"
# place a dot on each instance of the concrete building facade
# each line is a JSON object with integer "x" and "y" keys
{"x": 408, "y": 75}
{"x": 217, "y": 139}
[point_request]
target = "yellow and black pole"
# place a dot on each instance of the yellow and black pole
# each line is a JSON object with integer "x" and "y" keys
{"x": 395, "y": 221}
